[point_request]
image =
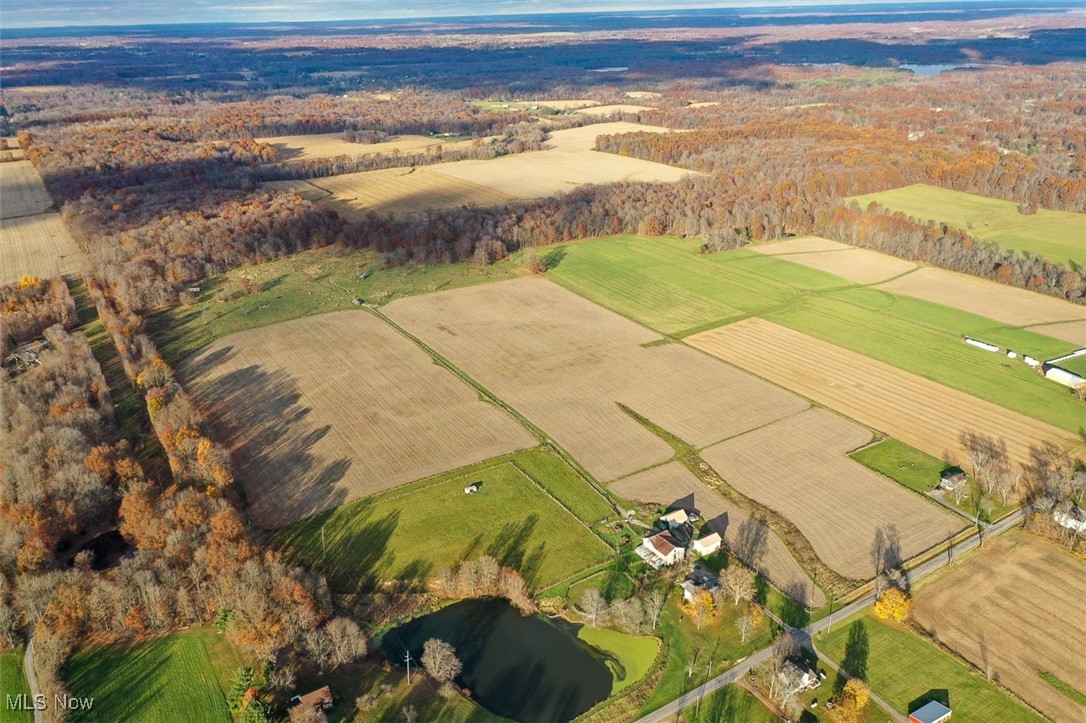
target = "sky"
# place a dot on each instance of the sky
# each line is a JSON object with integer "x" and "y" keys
{"x": 46, "y": 13}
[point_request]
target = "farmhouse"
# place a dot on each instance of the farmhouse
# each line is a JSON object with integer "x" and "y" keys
{"x": 660, "y": 550}
{"x": 951, "y": 479}
{"x": 697, "y": 580}
{"x": 311, "y": 706}
{"x": 807, "y": 678}
{"x": 931, "y": 712}
{"x": 707, "y": 545}
{"x": 1073, "y": 519}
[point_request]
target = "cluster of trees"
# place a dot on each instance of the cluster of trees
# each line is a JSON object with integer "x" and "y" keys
{"x": 1056, "y": 486}
{"x": 30, "y": 306}
{"x": 634, "y": 615}
{"x": 737, "y": 585}
{"x": 485, "y": 577}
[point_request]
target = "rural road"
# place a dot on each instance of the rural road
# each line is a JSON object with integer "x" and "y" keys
{"x": 32, "y": 677}
{"x": 671, "y": 710}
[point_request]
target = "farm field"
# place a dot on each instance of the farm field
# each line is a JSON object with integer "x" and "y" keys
{"x": 304, "y": 284}
{"x": 178, "y": 678}
{"x": 730, "y": 703}
{"x": 339, "y": 406}
{"x": 996, "y": 605}
{"x": 21, "y": 191}
{"x": 37, "y": 245}
{"x": 664, "y": 284}
{"x": 568, "y": 162}
{"x": 798, "y": 466}
{"x": 1008, "y": 304}
{"x": 673, "y": 485}
{"x": 392, "y": 536}
{"x": 898, "y": 461}
{"x": 1071, "y": 331}
{"x": 515, "y": 338}
{"x": 907, "y": 671}
{"x": 919, "y": 412}
{"x": 328, "y": 145}
{"x": 859, "y": 265}
{"x": 601, "y": 110}
{"x": 13, "y": 683}
{"x": 1056, "y": 235}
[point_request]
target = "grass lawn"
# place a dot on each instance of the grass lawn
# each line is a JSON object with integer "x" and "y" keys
{"x": 730, "y": 704}
{"x": 612, "y": 584}
{"x": 633, "y": 655}
{"x": 1076, "y": 365}
{"x": 1055, "y": 235}
{"x": 183, "y": 677}
{"x": 718, "y": 642}
{"x": 12, "y": 683}
{"x": 566, "y": 485}
{"x": 907, "y": 671}
{"x": 410, "y": 532}
{"x": 665, "y": 284}
{"x": 311, "y": 282}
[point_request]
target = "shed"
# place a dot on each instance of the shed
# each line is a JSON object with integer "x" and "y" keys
{"x": 675, "y": 518}
{"x": 473, "y": 488}
{"x": 707, "y": 545}
{"x": 951, "y": 479}
{"x": 931, "y": 712}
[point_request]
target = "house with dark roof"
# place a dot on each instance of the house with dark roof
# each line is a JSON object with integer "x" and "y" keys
{"x": 661, "y": 549}
{"x": 931, "y": 712}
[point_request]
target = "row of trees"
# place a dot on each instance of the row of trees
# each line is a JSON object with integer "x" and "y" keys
{"x": 30, "y": 306}
{"x": 485, "y": 577}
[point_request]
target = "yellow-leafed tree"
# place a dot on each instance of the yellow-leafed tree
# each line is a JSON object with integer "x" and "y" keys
{"x": 848, "y": 705}
{"x": 701, "y": 609}
{"x": 894, "y": 605}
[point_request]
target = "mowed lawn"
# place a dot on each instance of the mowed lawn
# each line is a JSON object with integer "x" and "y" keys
{"x": 907, "y": 671}
{"x": 183, "y": 677}
{"x": 13, "y": 683}
{"x": 411, "y": 532}
{"x": 666, "y": 285}
{"x": 1055, "y": 235}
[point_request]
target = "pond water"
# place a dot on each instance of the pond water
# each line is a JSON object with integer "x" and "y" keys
{"x": 525, "y": 668}
{"x": 927, "y": 71}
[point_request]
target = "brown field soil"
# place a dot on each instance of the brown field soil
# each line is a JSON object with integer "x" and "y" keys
{"x": 324, "y": 410}
{"x": 704, "y": 104}
{"x": 917, "y": 411}
{"x": 673, "y": 485}
{"x": 328, "y": 145}
{"x": 38, "y": 245}
{"x": 566, "y": 363}
{"x": 641, "y": 94}
{"x": 617, "y": 108}
{"x": 803, "y": 244}
{"x": 1072, "y": 331}
{"x": 1013, "y": 306}
{"x": 21, "y": 191}
{"x": 1019, "y": 603}
{"x": 584, "y": 138}
{"x": 859, "y": 265}
{"x": 400, "y": 191}
{"x": 798, "y": 466}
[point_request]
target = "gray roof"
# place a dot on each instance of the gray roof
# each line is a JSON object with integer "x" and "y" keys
{"x": 930, "y": 712}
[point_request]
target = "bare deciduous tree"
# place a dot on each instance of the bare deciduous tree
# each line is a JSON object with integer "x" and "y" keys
{"x": 439, "y": 658}
{"x": 745, "y": 626}
{"x": 593, "y": 607}
{"x": 738, "y": 582}
{"x": 654, "y": 606}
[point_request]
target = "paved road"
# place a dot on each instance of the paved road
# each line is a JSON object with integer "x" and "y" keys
{"x": 671, "y": 710}
{"x": 32, "y": 677}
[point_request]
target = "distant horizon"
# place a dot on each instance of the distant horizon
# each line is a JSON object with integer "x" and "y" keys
{"x": 43, "y": 14}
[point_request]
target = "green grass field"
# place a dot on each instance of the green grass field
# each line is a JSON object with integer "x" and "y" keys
{"x": 183, "y": 677}
{"x": 907, "y": 671}
{"x": 312, "y": 282}
{"x": 411, "y": 532}
{"x": 902, "y": 463}
{"x": 730, "y": 704}
{"x": 633, "y": 654}
{"x": 664, "y": 284}
{"x": 1076, "y": 365}
{"x": 13, "y": 683}
{"x": 1055, "y": 235}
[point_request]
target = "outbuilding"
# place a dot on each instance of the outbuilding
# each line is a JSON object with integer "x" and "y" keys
{"x": 707, "y": 545}
{"x": 931, "y": 712}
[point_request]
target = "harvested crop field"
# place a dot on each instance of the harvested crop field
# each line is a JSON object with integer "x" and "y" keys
{"x": 328, "y": 409}
{"x": 584, "y": 138}
{"x": 21, "y": 191}
{"x": 328, "y": 145}
{"x": 798, "y": 466}
{"x": 997, "y": 606}
{"x": 1072, "y": 331}
{"x": 38, "y": 245}
{"x": 612, "y": 109}
{"x": 803, "y": 244}
{"x": 566, "y": 363}
{"x": 397, "y": 190}
{"x": 919, "y": 412}
{"x": 983, "y": 297}
{"x": 673, "y": 485}
{"x": 859, "y": 265}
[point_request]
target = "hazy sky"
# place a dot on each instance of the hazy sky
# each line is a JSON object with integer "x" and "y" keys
{"x": 31, "y": 13}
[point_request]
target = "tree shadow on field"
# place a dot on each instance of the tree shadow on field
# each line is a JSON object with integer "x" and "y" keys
{"x": 552, "y": 258}
{"x": 258, "y": 414}
{"x": 510, "y": 548}
{"x": 793, "y": 608}
{"x": 751, "y": 542}
{"x": 857, "y": 649}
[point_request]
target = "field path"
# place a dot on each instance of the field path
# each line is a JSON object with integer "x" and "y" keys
{"x": 919, "y": 412}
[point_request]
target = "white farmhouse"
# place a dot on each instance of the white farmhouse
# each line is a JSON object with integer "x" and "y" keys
{"x": 660, "y": 550}
{"x": 707, "y": 545}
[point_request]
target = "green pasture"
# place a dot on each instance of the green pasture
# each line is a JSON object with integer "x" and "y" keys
{"x": 631, "y": 655}
{"x": 13, "y": 683}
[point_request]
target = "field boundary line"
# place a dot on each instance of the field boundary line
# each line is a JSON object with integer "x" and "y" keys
{"x": 543, "y": 437}
{"x": 558, "y": 502}
{"x": 762, "y": 426}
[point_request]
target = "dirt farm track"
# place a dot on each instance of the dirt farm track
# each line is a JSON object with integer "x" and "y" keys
{"x": 340, "y": 406}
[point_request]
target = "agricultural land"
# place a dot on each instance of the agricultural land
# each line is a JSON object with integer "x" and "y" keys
{"x": 329, "y": 145}
{"x": 339, "y": 406}
{"x": 13, "y": 683}
{"x": 22, "y": 191}
{"x": 531, "y": 513}
{"x": 907, "y": 671}
{"x": 1055, "y": 235}
{"x": 33, "y": 239}
{"x": 605, "y": 110}
{"x": 990, "y": 611}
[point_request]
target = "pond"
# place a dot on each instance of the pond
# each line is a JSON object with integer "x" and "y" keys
{"x": 928, "y": 71}
{"x": 525, "y": 668}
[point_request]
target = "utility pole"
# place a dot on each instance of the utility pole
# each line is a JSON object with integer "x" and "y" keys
{"x": 407, "y": 659}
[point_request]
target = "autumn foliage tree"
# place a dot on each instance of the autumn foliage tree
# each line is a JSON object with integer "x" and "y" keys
{"x": 894, "y": 604}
